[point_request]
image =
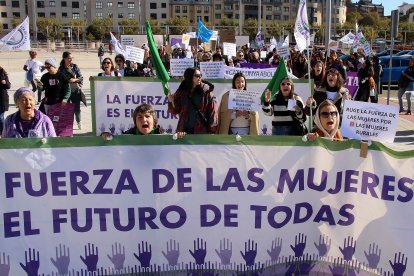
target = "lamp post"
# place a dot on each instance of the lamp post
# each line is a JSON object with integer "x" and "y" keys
{"x": 328, "y": 23}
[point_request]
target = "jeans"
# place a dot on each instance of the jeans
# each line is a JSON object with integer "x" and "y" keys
{"x": 75, "y": 98}
{"x": 281, "y": 130}
{"x": 401, "y": 92}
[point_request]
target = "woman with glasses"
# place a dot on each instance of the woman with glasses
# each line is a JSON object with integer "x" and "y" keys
{"x": 108, "y": 68}
{"x": 332, "y": 89}
{"x": 232, "y": 121}
{"x": 326, "y": 122}
{"x": 195, "y": 104}
{"x": 286, "y": 109}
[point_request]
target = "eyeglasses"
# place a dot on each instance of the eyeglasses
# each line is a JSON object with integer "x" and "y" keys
{"x": 198, "y": 75}
{"x": 106, "y": 62}
{"x": 326, "y": 114}
{"x": 285, "y": 83}
{"x": 119, "y": 60}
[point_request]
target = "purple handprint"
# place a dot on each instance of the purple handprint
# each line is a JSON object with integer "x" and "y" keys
{"x": 399, "y": 264}
{"x": 373, "y": 256}
{"x": 264, "y": 129}
{"x": 323, "y": 246}
{"x": 338, "y": 268}
{"x": 250, "y": 252}
{"x": 112, "y": 128}
{"x": 169, "y": 129}
{"x": 91, "y": 257}
{"x": 62, "y": 260}
{"x": 32, "y": 264}
{"x": 173, "y": 251}
{"x": 118, "y": 256}
{"x": 349, "y": 248}
{"x": 4, "y": 265}
{"x": 200, "y": 252}
{"x": 300, "y": 244}
{"x": 144, "y": 255}
{"x": 102, "y": 128}
{"x": 121, "y": 128}
{"x": 225, "y": 252}
{"x": 274, "y": 252}
{"x": 306, "y": 264}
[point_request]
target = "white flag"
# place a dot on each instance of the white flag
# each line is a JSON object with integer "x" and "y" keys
{"x": 117, "y": 45}
{"x": 18, "y": 39}
{"x": 302, "y": 31}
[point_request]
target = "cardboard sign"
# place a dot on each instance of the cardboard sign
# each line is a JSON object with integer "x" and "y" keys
{"x": 244, "y": 100}
{"x": 229, "y": 49}
{"x": 62, "y": 118}
{"x": 179, "y": 65}
{"x": 134, "y": 54}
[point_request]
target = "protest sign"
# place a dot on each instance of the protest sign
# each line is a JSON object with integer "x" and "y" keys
{"x": 263, "y": 54}
{"x": 134, "y": 54}
{"x": 212, "y": 70}
{"x": 283, "y": 52}
{"x": 244, "y": 100}
{"x": 369, "y": 121}
{"x": 229, "y": 49}
{"x": 62, "y": 118}
{"x": 352, "y": 82}
{"x": 178, "y": 66}
{"x": 333, "y": 45}
{"x": 367, "y": 49}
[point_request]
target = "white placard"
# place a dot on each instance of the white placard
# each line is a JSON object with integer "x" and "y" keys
{"x": 291, "y": 104}
{"x": 212, "y": 70}
{"x": 263, "y": 54}
{"x": 178, "y": 66}
{"x": 244, "y": 100}
{"x": 284, "y": 52}
{"x": 214, "y": 36}
{"x": 367, "y": 49}
{"x": 333, "y": 45}
{"x": 229, "y": 49}
{"x": 134, "y": 54}
{"x": 369, "y": 121}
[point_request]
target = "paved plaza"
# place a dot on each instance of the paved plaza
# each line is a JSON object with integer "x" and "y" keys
{"x": 88, "y": 62}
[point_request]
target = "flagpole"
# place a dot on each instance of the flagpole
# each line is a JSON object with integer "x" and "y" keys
{"x": 310, "y": 88}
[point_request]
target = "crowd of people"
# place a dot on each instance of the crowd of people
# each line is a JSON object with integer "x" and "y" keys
{"x": 194, "y": 101}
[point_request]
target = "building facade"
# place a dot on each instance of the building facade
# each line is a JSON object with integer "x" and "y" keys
{"x": 364, "y": 7}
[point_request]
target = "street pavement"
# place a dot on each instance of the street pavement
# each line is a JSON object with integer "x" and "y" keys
{"x": 88, "y": 62}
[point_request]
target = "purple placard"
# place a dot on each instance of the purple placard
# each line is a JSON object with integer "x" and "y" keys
{"x": 352, "y": 82}
{"x": 256, "y": 65}
{"x": 177, "y": 40}
{"x": 62, "y": 118}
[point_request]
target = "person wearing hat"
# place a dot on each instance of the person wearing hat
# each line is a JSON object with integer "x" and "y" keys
{"x": 33, "y": 67}
{"x": 55, "y": 84}
{"x": 27, "y": 121}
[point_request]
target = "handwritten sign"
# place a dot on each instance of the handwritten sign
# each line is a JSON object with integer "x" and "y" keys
{"x": 179, "y": 65}
{"x": 244, "y": 100}
{"x": 134, "y": 54}
{"x": 229, "y": 49}
{"x": 212, "y": 70}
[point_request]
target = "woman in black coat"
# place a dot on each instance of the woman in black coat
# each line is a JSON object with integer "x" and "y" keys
{"x": 4, "y": 96}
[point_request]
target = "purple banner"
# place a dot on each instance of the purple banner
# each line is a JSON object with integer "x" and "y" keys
{"x": 62, "y": 118}
{"x": 352, "y": 82}
{"x": 256, "y": 65}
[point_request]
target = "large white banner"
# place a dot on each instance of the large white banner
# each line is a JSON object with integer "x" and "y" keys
{"x": 114, "y": 102}
{"x": 152, "y": 204}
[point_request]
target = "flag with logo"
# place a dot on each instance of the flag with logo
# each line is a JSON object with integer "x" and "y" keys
{"x": 162, "y": 74}
{"x": 202, "y": 32}
{"x": 302, "y": 30}
{"x": 117, "y": 45}
{"x": 280, "y": 74}
{"x": 18, "y": 39}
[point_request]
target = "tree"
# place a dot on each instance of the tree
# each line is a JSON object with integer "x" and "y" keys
{"x": 177, "y": 25}
{"x": 16, "y": 21}
{"x": 128, "y": 26}
{"x": 155, "y": 27}
{"x": 226, "y": 22}
{"x": 78, "y": 27}
{"x": 50, "y": 27}
{"x": 99, "y": 27}
{"x": 250, "y": 28}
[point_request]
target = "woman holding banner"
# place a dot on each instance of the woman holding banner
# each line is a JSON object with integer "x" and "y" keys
{"x": 286, "y": 109}
{"x": 237, "y": 121}
{"x": 195, "y": 104}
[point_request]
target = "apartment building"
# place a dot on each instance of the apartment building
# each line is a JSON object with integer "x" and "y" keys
{"x": 365, "y": 7}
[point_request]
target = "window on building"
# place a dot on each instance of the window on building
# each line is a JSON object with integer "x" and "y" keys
{"x": 75, "y": 5}
{"x": 52, "y": 3}
{"x": 153, "y": 6}
{"x": 164, "y": 5}
{"x": 268, "y": 17}
{"x": 98, "y": 5}
{"x": 153, "y": 15}
{"x": 163, "y": 15}
{"x": 217, "y": 16}
{"x": 40, "y": 4}
{"x": 41, "y": 14}
{"x": 53, "y": 14}
{"x": 198, "y": 9}
{"x": 109, "y": 4}
{"x": 286, "y": 17}
{"x": 99, "y": 15}
{"x": 277, "y": 17}
{"x": 278, "y": 8}
{"x": 64, "y": 4}
{"x": 206, "y": 9}
{"x": 131, "y": 15}
{"x": 218, "y": 7}
{"x": 286, "y": 9}
{"x": 5, "y": 26}
{"x": 110, "y": 15}
{"x": 185, "y": 9}
{"x": 3, "y": 14}
{"x": 337, "y": 11}
{"x": 120, "y": 4}
{"x": 64, "y": 14}
{"x": 15, "y": 4}
{"x": 177, "y": 9}
{"x": 131, "y": 5}
{"x": 75, "y": 15}
{"x": 120, "y": 15}
{"x": 269, "y": 8}
{"x": 206, "y": 18}
{"x": 3, "y": 3}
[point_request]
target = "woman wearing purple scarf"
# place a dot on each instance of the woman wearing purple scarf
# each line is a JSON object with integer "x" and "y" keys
{"x": 27, "y": 121}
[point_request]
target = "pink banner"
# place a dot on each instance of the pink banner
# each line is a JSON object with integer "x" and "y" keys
{"x": 62, "y": 118}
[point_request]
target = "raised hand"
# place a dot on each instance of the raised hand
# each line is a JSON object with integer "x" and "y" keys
{"x": 118, "y": 256}
{"x": 121, "y": 128}
{"x": 250, "y": 252}
{"x": 274, "y": 252}
{"x": 200, "y": 252}
{"x": 306, "y": 264}
{"x": 349, "y": 248}
{"x": 62, "y": 260}
{"x": 399, "y": 264}
{"x": 112, "y": 128}
{"x": 373, "y": 256}
{"x": 173, "y": 252}
{"x": 4, "y": 265}
{"x": 300, "y": 244}
{"x": 323, "y": 246}
{"x": 102, "y": 128}
{"x": 268, "y": 94}
{"x": 32, "y": 263}
{"x": 144, "y": 254}
{"x": 225, "y": 252}
{"x": 91, "y": 257}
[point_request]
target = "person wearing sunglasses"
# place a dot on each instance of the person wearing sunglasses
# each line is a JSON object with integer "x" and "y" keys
{"x": 195, "y": 104}
{"x": 287, "y": 110}
{"x": 108, "y": 68}
{"x": 326, "y": 123}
